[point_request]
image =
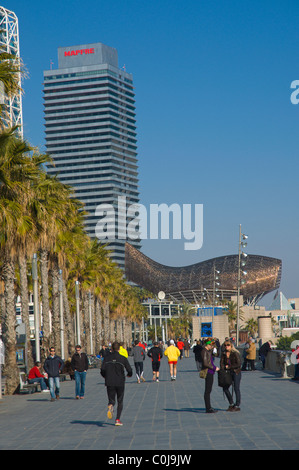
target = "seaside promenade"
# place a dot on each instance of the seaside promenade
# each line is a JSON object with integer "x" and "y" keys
{"x": 167, "y": 416}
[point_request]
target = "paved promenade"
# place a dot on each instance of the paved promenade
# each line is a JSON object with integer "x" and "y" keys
{"x": 160, "y": 416}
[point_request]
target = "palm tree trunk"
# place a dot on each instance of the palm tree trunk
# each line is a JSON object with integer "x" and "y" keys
{"x": 69, "y": 323}
{"x": 44, "y": 274}
{"x": 25, "y": 306}
{"x": 98, "y": 325}
{"x": 86, "y": 327}
{"x": 10, "y": 370}
{"x": 106, "y": 322}
{"x": 55, "y": 307}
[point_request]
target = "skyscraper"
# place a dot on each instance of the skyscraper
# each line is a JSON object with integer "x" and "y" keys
{"x": 90, "y": 126}
{"x": 9, "y": 42}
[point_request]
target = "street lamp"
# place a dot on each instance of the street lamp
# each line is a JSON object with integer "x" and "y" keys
{"x": 241, "y": 263}
{"x": 60, "y": 288}
{"x": 77, "y": 311}
{"x": 36, "y": 306}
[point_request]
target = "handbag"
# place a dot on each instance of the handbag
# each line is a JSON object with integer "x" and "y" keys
{"x": 203, "y": 373}
{"x": 224, "y": 378}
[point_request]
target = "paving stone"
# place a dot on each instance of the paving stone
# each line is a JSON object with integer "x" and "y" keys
{"x": 160, "y": 416}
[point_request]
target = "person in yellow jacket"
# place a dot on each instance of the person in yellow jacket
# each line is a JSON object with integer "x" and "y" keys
{"x": 122, "y": 351}
{"x": 172, "y": 353}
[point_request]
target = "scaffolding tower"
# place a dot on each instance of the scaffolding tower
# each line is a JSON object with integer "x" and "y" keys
{"x": 9, "y": 42}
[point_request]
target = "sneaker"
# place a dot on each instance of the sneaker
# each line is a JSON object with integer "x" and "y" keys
{"x": 157, "y": 380}
{"x": 46, "y": 391}
{"x": 118, "y": 423}
{"x": 110, "y": 412}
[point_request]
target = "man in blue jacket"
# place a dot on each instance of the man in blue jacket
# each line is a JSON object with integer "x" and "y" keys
{"x": 53, "y": 366}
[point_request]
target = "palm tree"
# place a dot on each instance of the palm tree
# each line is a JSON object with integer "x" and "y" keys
{"x": 11, "y": 69}
{"x": 231, "y": 312}
{"x": 252, "y": 326}
{"x": 15, "y": 172}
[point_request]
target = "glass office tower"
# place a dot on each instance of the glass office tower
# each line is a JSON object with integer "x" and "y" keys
{"x": 90, "y": 126}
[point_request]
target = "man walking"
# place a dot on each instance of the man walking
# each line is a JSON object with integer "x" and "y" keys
{"x": 53, "y": 366}
{"x": 79, "y": 364}
{"x": 156, "y": 354}
{"x": 180, "y": 346}
{"x": 113, "y": 371}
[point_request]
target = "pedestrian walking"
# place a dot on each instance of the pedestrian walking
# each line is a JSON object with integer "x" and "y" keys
{"x": 231, "y": 361}
{"x": 209, "y": 368}
{"x": 156, "y": 354}
{"x": 186, "y": 348}
{"x": 53, "y": 366}
{"x": 79, "y": 364}
{"x": 113, "y": 370}
{"x": 139, "y": 356}
{"x": 104, "y": 352}
{"x": 197, "y": 354}
{"x": 172, "y": 353}
{"x": 180, "y": 346}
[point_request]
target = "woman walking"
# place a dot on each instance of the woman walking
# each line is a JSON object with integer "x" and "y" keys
{"x": 230, "y": 360}
{"x": 209, "y": 366}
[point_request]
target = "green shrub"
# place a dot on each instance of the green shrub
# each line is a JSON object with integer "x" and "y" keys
{"x": 285, "y": 342}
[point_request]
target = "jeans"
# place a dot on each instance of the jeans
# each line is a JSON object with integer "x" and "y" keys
{"x": 54, "y": 382}
{"x": 80, "y": 378}
{"x": 236, "y": 383}
{"x": 40, "y": 380}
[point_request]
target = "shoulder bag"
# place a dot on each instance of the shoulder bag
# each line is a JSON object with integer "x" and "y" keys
{"x": 224, "y": 378}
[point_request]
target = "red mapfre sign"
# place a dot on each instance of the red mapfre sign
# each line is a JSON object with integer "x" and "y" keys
{"x": 79, "y": 52}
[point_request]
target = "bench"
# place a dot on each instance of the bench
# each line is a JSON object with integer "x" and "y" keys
{"x": 26, "y": 387}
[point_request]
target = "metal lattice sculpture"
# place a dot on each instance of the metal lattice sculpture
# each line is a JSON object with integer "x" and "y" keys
{"x": 9, "y": 42}
{"x": 196, "y": 282}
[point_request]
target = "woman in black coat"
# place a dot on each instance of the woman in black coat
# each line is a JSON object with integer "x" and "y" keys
{"x": 231, "y": 360}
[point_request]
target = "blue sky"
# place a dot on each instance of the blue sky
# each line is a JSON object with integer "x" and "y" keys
{"x": 215, "y": 122}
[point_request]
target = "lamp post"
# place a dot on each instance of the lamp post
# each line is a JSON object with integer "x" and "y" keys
{"x": 36, "y": 307}
{"x": 241, "y": 263}
{"x": 60, "y": 288}
{"x": 77, "y": 311}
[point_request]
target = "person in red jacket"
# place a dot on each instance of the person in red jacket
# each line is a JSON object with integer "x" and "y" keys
{"x": 36, "y": 376}
{"x": 180, "y": 346}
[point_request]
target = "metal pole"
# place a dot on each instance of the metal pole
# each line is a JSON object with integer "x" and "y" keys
{"x": 36, "y": 307}
{"x": 60, "y": 288}
{"x": 238, "y": 288}
{"x": 77, "y": 311}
